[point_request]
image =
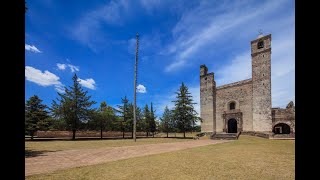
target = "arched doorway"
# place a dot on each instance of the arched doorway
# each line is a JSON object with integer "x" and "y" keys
{"x": 281, "y": 128}
{"x": 232, "y": 126}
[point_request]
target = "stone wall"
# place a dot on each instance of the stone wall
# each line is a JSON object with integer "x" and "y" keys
{"x": 58, "y": 134}
{"x": 287, "y": 116}
{"x": 241, "y": 94}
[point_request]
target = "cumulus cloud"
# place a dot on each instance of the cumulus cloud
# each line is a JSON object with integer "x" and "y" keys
{"x": 141, "y": 89}
{"x": 31, "y": 48}
{"x": 88, "y": 83}
{"x": 44, "y": 79}
{"x": 73, "y": 68}
{"x": 61, "y": 66}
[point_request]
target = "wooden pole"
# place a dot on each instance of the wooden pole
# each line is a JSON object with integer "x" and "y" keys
{"x": 135, "y": 88}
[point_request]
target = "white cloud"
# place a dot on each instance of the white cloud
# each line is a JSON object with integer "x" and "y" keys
{"x": 88, "y": 29}
{"x": 61, "y": 66}
{"x": 73, "y": 68}
{"x": 88, "y": 83}
{"x": 141, "y": 89}
{"x": 238, "y": 69}
{"x": 31, "y": 48}
{"x": 208, "y": 24}
{"x": 44, "y": 79}
{"x": 59, "y": 88}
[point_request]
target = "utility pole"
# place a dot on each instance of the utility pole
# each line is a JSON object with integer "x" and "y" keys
{"x": 135, "y": 88}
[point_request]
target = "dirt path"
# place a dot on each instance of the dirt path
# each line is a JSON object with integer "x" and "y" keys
{"x": 52, "y": 161}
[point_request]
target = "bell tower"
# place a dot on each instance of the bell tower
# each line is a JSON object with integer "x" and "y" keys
{"x": 261, "y": 83}
{"x": 207, "y": 100}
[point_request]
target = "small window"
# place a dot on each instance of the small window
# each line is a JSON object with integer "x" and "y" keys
{"x": 232, "y": 106}
{"x": 260, "y": 44}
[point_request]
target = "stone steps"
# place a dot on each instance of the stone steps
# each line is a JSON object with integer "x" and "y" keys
{"x": 225, "y": 136}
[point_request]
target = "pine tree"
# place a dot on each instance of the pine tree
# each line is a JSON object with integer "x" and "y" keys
{"x": 146, "y": 116}
{"x": 74, "y": 106}
{"x": 141, "y": 125}
{"x": 166, "y": 120}
{"x": 103, "y": 117}
{"x": 35, "y": 114}
{"x": 129, "y": 123}
{"x": 124, "y": 111}
{"x": 152, "y": 122}
{"x": 184, "y": 113}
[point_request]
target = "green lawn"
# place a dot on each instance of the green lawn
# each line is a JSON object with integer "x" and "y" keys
{"x": 247, "y": 158}
{"x": 66, "y": 145}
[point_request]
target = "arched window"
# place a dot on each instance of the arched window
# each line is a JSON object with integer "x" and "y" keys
{"x": 260, "y": 44}
{"x": 232, "y": 106}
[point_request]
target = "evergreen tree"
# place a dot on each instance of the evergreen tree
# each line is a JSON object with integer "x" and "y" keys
{"x": 103, "y": 118}
{"x": 74, "y": 106}
{"x": 152, "y": 122}
{"x": 46, "y": 124}
{"x": 184, "y": 113}
{"x": 124, "y": 111}
{"x": 59, "y": 124}
{"x": 141, "y": 124}
{"x": 129, "y": 123}
{"x": 35, "y": 114}
{"x": 146, "y": 116}
{"x": 166, "y": 120}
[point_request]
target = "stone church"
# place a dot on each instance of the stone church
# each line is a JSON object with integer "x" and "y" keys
{"x": 244, "y": 106}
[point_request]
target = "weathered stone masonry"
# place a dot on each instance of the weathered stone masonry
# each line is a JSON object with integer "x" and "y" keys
{"x": 245, "y": 105}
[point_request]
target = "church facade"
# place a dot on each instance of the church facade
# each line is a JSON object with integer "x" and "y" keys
{"x": 244, "y": 106}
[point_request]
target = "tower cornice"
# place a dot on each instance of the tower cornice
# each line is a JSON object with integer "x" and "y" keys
{"x": 262, "y": 38}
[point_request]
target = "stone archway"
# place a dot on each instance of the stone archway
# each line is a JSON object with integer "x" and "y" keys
{"x": 232, "y": 126}
{"x": 236, "y": 115}
{"x": 282, "y": 128}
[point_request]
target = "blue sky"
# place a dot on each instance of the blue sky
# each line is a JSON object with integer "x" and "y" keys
{"x": 96, "y": 40}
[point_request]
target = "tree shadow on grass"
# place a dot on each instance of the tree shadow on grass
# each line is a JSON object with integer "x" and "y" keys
{"x": 34, "y": 153}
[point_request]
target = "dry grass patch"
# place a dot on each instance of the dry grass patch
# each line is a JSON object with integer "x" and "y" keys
{"x": 247, "y": 158}
{"x": 79, "y": 144}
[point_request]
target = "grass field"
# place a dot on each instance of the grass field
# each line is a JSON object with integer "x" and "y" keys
{"x": 66, "y": 145}
{"x": 247, "y": 158}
